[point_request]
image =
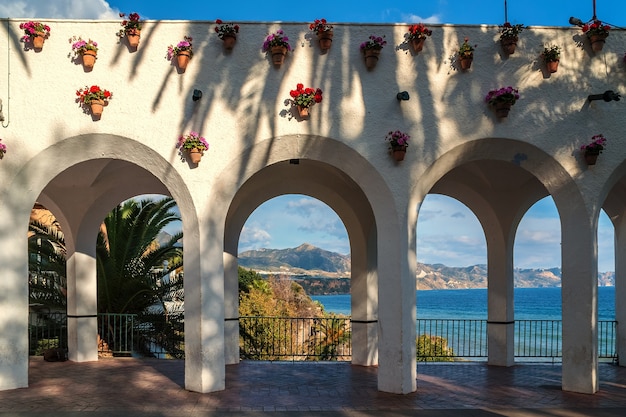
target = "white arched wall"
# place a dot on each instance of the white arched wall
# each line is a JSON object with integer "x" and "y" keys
{"x": 358, "y": 195}
{"x": 499, "y": 179}
{"x": 80, "y": 192}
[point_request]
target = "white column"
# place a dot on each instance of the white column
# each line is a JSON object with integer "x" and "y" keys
{"x": 231, "y": 309}
{"x": 620, "y": 286}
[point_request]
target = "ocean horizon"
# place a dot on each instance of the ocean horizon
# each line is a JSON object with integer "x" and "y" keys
{"x": 530, "y": 303}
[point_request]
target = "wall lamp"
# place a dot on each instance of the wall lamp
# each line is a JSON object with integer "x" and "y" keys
{"x": 197, "y": 95}
{"x": 607, "y": 96}
{"x": 403, "y": 96}
{"x": 575, "y": 21}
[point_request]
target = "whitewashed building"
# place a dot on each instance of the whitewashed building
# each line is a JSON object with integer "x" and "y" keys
{"x": 80, "y": 167}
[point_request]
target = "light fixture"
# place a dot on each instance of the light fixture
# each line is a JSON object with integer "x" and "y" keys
{"x": 607, "y": 96}
{"x": 575, "y": 21}
{"x": 403, "y": 96}
{"x": 197, "y": 95}
{"x": 294, "y": 161}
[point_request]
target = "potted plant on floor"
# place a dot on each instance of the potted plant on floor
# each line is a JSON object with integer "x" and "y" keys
{"x": 227, "y": 32}
{"x": 131, "y": 29}
{"x": 304, "y": 98}
{"x": 324, "y": 33}
{"x": 35, "y": 33}
{"x": 371, "y": 50}
{"x": 509, "y": 35}
{"x": 95, "y": 98}
{"x": 277, "y": 44}
{"x": 593, "y": 149}
{"x": 597, "y": 32}
{"x": 502, "y": 99}
{"x": 87, "y": 50}
{"x": 417, "y": 35}
{"x": 183, "y": 51}
{"x": 194, "y": 145}
{"x": 398, "y": 142}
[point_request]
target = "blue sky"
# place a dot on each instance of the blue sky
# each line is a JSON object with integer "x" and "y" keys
{"x": 447, "y": 232}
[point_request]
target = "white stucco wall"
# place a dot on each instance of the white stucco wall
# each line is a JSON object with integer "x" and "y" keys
{"x": 244, "y": 116}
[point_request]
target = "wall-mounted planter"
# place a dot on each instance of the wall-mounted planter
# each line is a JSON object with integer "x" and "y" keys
{"x": 591, "y": 157}
{"x": 325, "y": 39}
{"x": 182, "y": 59}
{"x": 278, "y": 55}
{"x": 466, "y": 62}
{"x": 96, "y": 107}
{"x": 552, "y": 66}
{"x": 597, "y": 42}
{"x": 133, "y": 36}
{"x": 398, "y": 153}
{"x": 229, "y": 41}
{"x": 89, "y": 58}
{"x": 509, "y": 45}
{"x": 371, "y": 57}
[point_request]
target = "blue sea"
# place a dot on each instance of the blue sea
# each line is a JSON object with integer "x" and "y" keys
{"x": 530, "y": 303}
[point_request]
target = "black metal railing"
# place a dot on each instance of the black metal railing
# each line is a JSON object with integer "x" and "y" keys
{"x": 314, "y": 339}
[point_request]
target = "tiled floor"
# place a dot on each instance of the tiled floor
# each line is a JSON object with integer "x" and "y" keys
{"x": 150, "y": 387}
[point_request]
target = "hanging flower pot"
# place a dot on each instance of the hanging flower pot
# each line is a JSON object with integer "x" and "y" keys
{"x": 89, "y": 58}
{"x": 502, "y": 109}
{"x": 278, "y": 55}
{"x": 195, "y": 155}
{"x": 418, "y": 44}
{"x": 593, "y": 149}
{"x": 35, "y": 33}
{"x": 304, "y": 98}
{"x": 229, "y": 41}
{"x": 553, "y": 66}
{"x": 193, "y": 145}
{"x": 325, "y": 39}
{"x": 277, "y": 44}
{"x": 182, "y": 59}
{"x": 466, "y": 62}
{"x": 371, "y": 57}
{"x": 398, "y": 142}
{"x": 303, "y": 112}
{"x": 133, "y": 36}
{"x": 509, "y": 45}
{"x": 502, "y": 99}
{"x": 183, "y": 51}
{"x": 97, "y": 107}
{"x": 417, "y": 36}
{"x": 597, "y": 42}
{"x": 94, "y": 98}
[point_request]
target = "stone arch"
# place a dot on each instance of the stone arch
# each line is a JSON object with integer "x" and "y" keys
{"x": 80, "y": 178}
{"x": 499, "y": 179}
{"x": 336, "y": 174}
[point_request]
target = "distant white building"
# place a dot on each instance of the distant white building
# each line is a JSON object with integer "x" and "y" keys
{"x": 80, "y": 167}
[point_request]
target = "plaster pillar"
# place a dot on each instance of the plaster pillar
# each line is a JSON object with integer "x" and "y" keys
{"x": 397, "y": 371}
{"x": 620, "y": 288}
{"x": 82, "y": 307}
{"x": 364, "y": 288}
{"x": 204, "y": 309}
{"x": 500, "y": 312}
{"x": 231, "y": 309}
{"x": 580, "y": 304}
{"x": 13, "y": 301}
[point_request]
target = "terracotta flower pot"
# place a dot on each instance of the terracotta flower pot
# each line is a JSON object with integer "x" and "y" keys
{"x": 303, "y": 112}
{"x": 371, "y": 57}
{"x": 591, "y": 157}
{"x": 182, "y": 59}
{"x": 97, "y": 106}
{"x": 325, "y": 39}
{"x": 195, "y": 155}
{"x": 502, "y": 109}
{"x": 229, "y": 41}
{"x": 133, "y": 36}
{"x": 508, "y": 45}
{"x": 89, "y": 58}
{"x": 553, "y": 66}
{"x": 418, "y": 44}
{"x": 597, "y": 42}
{"x": 466, "y": 62}
{"x": 278, "y": 55}
{"x": 38, "y": 40}
{"x": 398, "y": 152}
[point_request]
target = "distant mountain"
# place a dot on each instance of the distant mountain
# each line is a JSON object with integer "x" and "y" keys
{"x": 323, "y": 272}
{"x": 303, "y": 258}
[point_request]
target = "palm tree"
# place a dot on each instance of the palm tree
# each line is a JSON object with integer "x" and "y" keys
{"x": 128, "y": 256}
{"x": 46, "y": 266}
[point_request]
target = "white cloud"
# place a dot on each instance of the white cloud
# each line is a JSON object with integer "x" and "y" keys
{"x": 413, "y": 18}
{"x": 66, "y": 9}
{"x": 254, "y": 237}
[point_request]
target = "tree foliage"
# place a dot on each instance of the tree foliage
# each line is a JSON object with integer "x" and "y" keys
{"x": 433, "y": 349}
